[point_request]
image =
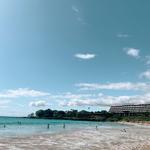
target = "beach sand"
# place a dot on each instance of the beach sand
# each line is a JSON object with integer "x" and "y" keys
{"x": 137, "y": 123}
{"x": 135, "y": 138}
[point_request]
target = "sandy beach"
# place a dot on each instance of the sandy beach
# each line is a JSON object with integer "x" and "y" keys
{"x": 139, "y": 123}
{"x": 135, "y": 138}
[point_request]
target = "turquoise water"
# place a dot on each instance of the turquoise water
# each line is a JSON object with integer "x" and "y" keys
{"x": 39, "y": 126}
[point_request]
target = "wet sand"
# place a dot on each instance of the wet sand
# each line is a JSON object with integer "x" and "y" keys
{"x": 135, "y": 138}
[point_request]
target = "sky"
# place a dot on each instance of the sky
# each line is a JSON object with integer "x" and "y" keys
{"x": 73, "y": 54}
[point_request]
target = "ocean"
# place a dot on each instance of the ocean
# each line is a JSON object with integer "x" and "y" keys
{"x": 11, "y": 126}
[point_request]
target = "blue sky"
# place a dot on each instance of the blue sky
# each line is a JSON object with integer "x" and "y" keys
{"x": 73, "y": 54}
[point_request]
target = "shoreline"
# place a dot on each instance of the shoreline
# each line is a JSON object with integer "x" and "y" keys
{"x": 137, "y": 123}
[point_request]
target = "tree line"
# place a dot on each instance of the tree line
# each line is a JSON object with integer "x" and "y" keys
{"x": 71, "y": 114}
{"x": 87, "y": 115}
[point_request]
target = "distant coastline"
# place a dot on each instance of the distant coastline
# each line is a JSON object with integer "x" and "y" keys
{"x": 89, "y": 116}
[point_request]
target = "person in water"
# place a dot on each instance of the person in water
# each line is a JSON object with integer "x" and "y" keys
{"x": 64, "y": 126}
{"x": 96, "y": 128}
{"x": 47, "y": 126}
{"x": 19, "y": 123}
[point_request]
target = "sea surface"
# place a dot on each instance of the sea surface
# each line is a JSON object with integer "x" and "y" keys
{"x": 11, "y": 126}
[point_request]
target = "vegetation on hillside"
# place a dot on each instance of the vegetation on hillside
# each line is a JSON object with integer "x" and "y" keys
{"x": 86, "y": 115}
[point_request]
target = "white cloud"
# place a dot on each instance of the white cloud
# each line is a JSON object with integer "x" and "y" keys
{"x": 85, "y": 56}
{"x": 122, "y": 35}
{"x": 75, "y": 9}
{"x": 133, "y": 52}
{"x": 69, "y": 95}
{"x": 106, "y": 100}
{"x": 40, "y": 103}
{"x": 79, "y": 103}
{"x": 98, "y": 99}
{"x": 145, "y": 74}
{"x": 141, "y": 86}
{"x": 22, "y": 92}
{"x": 4, "y": 103}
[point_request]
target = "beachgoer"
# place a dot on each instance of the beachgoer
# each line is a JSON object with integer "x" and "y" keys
{"x": 47, "y": 126}
{"x": 64, "y": 126}
{"x": 96, "y": 128}
{"x": 124, "y": 130}
{"x": 19, "y": 123}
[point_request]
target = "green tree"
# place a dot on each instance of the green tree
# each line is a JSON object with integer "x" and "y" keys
{"x": 40, "y": 113}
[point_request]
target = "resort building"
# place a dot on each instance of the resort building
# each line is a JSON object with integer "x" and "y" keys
{"x": 130, "y": 109}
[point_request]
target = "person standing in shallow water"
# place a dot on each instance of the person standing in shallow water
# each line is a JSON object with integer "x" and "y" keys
{"x": 64, "y": 126}
{"x": 96, "y": 128}
{"x": 19, "y": 123}
{"x": 47, "y": 126}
